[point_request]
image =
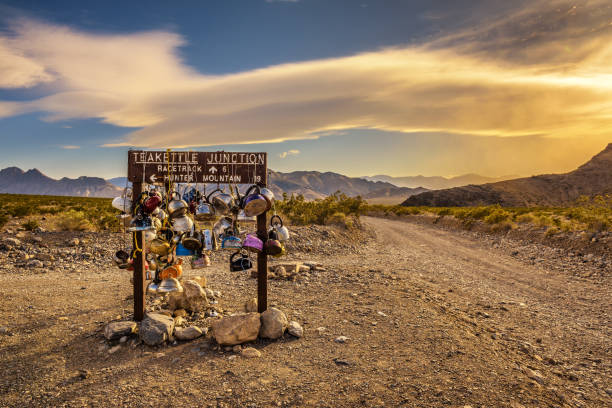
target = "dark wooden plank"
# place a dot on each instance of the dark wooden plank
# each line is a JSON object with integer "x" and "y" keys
{"x": 139, "y": 264}
{"x": 262, "y": 266}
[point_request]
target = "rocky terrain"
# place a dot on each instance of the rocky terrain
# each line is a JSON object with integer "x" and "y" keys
{"x": 13, "y": 180}
{"x": 394, "y": 314}
{"x": 392, "y": 195}
{"x": 592, "y": 178}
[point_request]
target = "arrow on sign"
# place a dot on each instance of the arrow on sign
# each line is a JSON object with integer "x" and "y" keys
{"x": 213, "y": 169}
{"x": 153, "y": 178}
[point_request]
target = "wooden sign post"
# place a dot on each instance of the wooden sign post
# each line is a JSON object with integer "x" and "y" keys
{"x": 165, "y": 167}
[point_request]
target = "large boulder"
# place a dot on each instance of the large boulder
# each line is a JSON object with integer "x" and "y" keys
{"x": 236, "y": 329}
{"x": 156, "y": 328}
{"x": 117, "y": 330}
{"x": 193, "y": 297}
{"x": 273, "y": 323}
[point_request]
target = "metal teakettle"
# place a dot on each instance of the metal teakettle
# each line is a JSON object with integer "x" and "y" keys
{"x": 169, "y": 285}
{"x": 254, "y": 203}
{"x": 205, "y": 211}
{"x": 177, "y": 207}
{"x": 222, "y": 202}
{"x": 282, "y": 233}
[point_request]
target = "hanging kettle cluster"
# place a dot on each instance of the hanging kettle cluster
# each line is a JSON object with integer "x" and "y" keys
{"x": 170, "y": 222}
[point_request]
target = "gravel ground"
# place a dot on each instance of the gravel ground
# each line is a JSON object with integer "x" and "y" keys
{"x": 430, "y": 317}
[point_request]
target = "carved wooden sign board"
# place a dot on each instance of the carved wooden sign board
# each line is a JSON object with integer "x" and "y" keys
{"x": 157, "y": 167}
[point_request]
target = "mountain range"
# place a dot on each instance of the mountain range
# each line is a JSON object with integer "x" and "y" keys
{"x": 16, "y": 181}
{"x": 437, "y": 182}
{"x": 311, "y": 184}
{"x": 592, "y": 178}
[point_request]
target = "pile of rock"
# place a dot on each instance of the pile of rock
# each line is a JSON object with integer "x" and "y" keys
{"x": 178, "y": 320}
{"x": 246, "y": 327}
{"x": 294, "y": 271}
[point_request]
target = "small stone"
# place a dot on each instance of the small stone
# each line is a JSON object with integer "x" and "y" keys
{"x": 159, "y": 355}
{"x": 201, "y": 280}
{"x": 180, "y": 313}
{"x": 83, "y": 374}
{"x": 250, "y": 352}
{"x": 74, "y": 242}
{"x": 535, "y": 375}
{"x": 341, "y": 339}
{"x": 236, "y": 348}
{"x": 187, "y": 333}
{"x": 114, "y": 349}
{"x": 295, "y": 329}
{"x": 381, "y": 314}
{"x": 123, "y": 339}
{"x": 280, "y": 271}
{"x": 341, "y": 362}
{"x": 321, "y": 330}
{"x": 179, "y": 321}
{"x": 251, "y": 305}
{"x": 34, "y": 263}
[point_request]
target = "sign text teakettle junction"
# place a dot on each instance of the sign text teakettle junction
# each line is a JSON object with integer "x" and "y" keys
{"x": 197, "y": 167}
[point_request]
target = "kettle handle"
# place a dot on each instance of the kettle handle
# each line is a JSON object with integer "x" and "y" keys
{"x": 238, "y": 252}
{"x": 272, "y": 219}
{"x": 210, "y": 195}
{"x": 246, "y": 194}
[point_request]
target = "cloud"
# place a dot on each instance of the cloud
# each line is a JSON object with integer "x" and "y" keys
{"x": 70, "y": 147}
{"x": 496, "y": 80}
{"x": 17, "y": 70}
{"x": 292, "y": 152}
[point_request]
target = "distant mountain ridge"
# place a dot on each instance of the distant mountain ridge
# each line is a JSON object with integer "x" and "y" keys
{"x": 592, "y": 178}
{"x": 315, "y": 185}
{"x": 436, "y": 182}
{"x": 13, "y": 180}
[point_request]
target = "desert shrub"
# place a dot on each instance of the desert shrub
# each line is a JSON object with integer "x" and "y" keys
{"x": 552, "y": 231}
{"x": 497, "y": 216}
{"x": 3, "y": 220}
{"x": 30, "y": 225}
{"x": 526, "y": 219}
{"x": 301, "y": 212}
{"x": 73, "y": 221}
{"x": 502, "y": 226}
{"x": 21, "y": 211}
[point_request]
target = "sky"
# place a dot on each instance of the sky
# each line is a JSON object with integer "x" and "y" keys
{"x": 397, "y": 87}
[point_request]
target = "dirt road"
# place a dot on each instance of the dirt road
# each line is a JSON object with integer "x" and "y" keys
{"x": 433, "y": 318}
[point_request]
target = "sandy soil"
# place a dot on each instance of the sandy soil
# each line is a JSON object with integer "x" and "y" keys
{"x": 433, "y": 318}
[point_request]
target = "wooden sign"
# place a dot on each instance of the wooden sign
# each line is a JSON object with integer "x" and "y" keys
{"x": 157, "y": 167}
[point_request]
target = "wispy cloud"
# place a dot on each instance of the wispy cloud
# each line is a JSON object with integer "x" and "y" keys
{"x": 71, "y": 147}
{"x": 292, "y": 152}
{"x": 501, "y": 79}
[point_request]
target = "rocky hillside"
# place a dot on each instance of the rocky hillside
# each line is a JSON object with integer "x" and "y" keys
{"x": 392, "y": 195}
{"x": 437, "y": 182}
{"x": 592, "y": 178}
{"x": 16, "y": 181}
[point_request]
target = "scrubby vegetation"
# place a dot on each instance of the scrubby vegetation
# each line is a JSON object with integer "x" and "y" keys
{"x": 80, "y": 213}
{"x": 590, "y": 214}
{"x": 64, "y": 213}
{"x": 337, "y": 209}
